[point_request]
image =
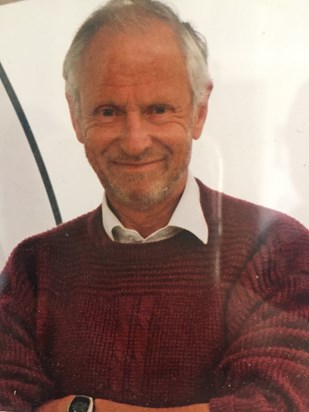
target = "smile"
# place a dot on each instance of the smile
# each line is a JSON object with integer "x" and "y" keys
{"x": 139, "y": 166}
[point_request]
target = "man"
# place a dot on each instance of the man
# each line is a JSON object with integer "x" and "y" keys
{"x": 170, "y": 296}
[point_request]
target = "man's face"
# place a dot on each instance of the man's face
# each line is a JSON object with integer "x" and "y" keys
{"x": 136, "y": 116}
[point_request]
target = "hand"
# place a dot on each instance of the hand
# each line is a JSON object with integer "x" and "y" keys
{"x": 102, "y": 405}
{"x": 57, "y": 405}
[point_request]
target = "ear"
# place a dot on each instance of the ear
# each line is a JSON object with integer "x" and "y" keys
{"x": 75, "y": 119}
{"x": 201, "y": 114}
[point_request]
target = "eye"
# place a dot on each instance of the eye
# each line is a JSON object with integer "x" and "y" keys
{"x": 108, "y": 111}
{"x": 107, "y": 114}
{"x": 158, "y": 109}
{"x": 160, "y": 113}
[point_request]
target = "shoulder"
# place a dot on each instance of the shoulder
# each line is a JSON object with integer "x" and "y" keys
{"x": 258, "y": 244}
{"x": 59, "y": 237}
{"x": 230, "y": 214}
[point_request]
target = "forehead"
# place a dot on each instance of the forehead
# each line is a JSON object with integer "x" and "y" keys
{"x": 141, "y": 54}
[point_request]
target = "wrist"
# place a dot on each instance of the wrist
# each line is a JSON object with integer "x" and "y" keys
{"x": 81, "y": 403}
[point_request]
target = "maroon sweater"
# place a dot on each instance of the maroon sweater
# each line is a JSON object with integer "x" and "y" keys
{"x": 170, "y": 323}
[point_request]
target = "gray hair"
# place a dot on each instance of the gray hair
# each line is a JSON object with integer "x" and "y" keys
{"x": 120, "y": 14}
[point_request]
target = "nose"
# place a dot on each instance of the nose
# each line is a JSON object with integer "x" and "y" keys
{"x": 136, "y": 137}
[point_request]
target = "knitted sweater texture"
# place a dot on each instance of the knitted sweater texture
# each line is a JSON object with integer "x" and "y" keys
{"x": 165, "y": 324}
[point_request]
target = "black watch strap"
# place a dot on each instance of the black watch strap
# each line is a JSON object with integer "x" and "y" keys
{"x": 81, "y": 403}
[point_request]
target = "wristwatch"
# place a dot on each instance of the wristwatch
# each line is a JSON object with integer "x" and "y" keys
{"x": 81, "y": 403}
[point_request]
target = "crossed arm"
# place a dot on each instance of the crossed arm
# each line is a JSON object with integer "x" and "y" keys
{"x": 265, "y": 365}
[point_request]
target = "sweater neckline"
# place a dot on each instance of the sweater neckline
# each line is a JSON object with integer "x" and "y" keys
{"x": 180, "y": 243}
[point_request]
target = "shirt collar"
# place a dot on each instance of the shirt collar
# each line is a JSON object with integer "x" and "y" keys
{"x": 188, "y": 215}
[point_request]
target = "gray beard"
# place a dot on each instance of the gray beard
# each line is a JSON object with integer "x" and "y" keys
{"x": 136, "y": 200}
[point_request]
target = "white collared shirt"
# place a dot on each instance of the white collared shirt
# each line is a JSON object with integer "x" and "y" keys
{"x": 188, "y": 215}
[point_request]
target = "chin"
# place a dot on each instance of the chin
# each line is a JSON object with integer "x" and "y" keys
{"x": 141, "y": 191}
{"x": 139, "y": 198}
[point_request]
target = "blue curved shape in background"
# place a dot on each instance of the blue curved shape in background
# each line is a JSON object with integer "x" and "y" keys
{"x": 33, "y": 145}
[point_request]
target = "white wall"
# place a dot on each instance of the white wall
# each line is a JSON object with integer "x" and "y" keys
{"x": 256, "y": 141}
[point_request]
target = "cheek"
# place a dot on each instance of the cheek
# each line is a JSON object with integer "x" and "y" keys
{"x": 94, "y": 149}
{"x": 174, "y": 133}
{"x": 96, "y": 139}
{"x": 178, "y": 139}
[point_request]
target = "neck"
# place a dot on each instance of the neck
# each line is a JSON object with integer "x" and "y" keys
{"x": 146, "y": 221}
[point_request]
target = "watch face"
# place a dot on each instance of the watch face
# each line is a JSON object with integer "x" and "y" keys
{"x": 81, "y": 404}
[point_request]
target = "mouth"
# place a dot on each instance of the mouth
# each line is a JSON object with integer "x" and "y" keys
{"x": 138, "y": 166}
